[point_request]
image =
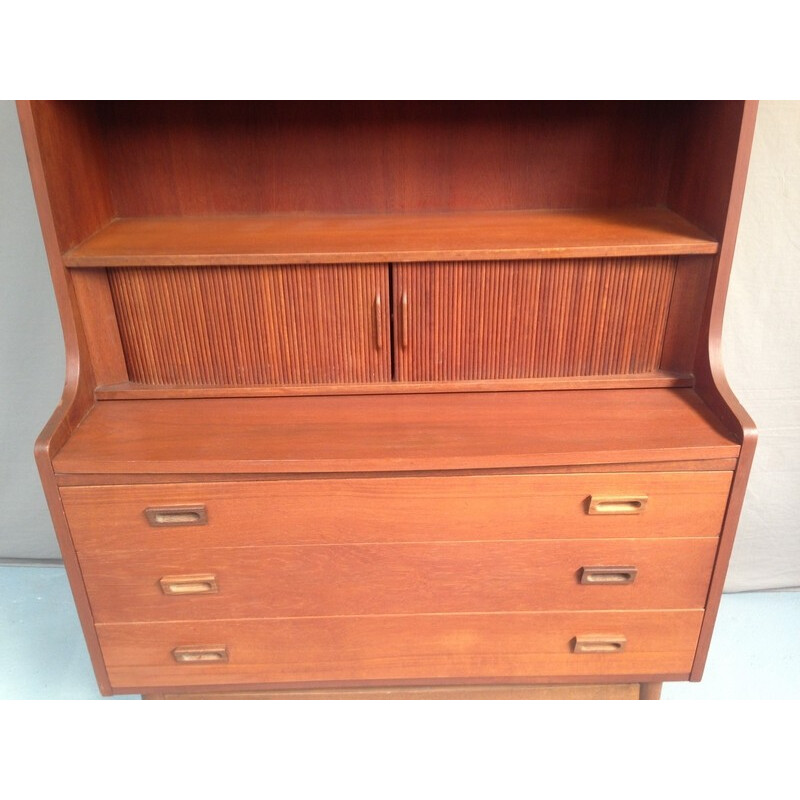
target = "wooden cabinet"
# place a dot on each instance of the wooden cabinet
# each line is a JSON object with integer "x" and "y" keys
{"x": 393, "y": 399}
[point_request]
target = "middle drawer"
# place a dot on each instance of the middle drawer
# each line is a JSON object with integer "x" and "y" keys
{"x": 408, "y": 578}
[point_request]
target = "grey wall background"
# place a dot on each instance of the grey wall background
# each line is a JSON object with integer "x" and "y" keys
{"x": 761, "y": 346}
{"x": 31, "y": 353}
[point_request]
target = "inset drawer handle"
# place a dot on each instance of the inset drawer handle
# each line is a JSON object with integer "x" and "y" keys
{"x": 617, "y": 505}
{"x": 189, "y": 584}
{"x": 201, "y": 655}
{"x": 618, "y": 576}
{"x": 598, "y": 643}
{"x": 404, "y": 320}
{"x": 176, "y": 515}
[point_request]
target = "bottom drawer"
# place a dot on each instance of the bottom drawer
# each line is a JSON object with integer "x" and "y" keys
{"x": 404, "y": 647}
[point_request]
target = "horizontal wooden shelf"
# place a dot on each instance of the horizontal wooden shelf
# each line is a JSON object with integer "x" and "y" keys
{"x": 394, "y": 433}
{"x": 360, "y": 238}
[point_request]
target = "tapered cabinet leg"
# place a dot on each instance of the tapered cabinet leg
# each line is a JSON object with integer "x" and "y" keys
{"x": 650, "y": 691}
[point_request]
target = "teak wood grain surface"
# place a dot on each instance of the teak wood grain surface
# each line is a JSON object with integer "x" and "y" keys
{"x": 341, "y": 340}
{"x": 661, "y": 379}
{"x": 531, "y": 319}
{"x": 241, "y": 326}
{"x": 200, "y": 158}
{"x": 150, "y": 479}
{"x": 609, "y": 691}
{"x": 349, "y": 509}
{"x": 434, "y": 646}
{"x": 390, "y": 433}
{"x": 321, "y": 239}
{"x": 370, "y": 579}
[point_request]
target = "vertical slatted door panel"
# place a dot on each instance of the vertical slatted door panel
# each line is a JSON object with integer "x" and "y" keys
{"x": 276, "y": 325}
{"x": 531, "y": 319}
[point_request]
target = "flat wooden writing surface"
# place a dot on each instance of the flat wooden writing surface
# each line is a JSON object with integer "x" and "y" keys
{"x": 389, "y": 433}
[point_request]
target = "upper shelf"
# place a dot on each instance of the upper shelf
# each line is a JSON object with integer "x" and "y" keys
{"x": 359, "y": 238}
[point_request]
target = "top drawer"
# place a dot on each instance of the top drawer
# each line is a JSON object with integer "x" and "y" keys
{"x": 397, "y": 509}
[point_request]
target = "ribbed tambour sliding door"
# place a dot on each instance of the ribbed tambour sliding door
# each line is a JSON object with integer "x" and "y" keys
{"x": 530, "y": 319}
{"x": 271, "y": 325}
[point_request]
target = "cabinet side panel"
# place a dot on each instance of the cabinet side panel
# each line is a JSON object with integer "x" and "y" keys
{"x": 96, "y": 309}
{"x": 79, "y": 382}
{"x": 74, "y": 163}
{"x": 712, "y": 385}
{"x": 686, "y": 313}
{"x": 705, "y": 162}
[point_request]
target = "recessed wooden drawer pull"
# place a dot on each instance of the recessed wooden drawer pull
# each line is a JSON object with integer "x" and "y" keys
{"x": 617, "y": 505}
{"x": 608, "y": 575}
{"x": 201, "y": 655}
{"x": 598, "y": 644}
{"x": 189, "y": 584}
{"x": 176, "y": 515}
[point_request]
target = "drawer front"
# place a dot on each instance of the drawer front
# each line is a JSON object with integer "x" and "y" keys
{"x": 458, "y": 577}
{"x": 426, "y": 647}
{"x": 408, "y": 509}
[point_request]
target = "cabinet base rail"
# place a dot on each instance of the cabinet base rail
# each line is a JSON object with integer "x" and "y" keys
{"x": 609, "y": 691}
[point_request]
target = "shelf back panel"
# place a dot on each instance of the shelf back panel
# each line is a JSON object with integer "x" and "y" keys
{"x": 218, "y": 158}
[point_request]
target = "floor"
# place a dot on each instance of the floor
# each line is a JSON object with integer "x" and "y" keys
{"x": 755, "y": 653}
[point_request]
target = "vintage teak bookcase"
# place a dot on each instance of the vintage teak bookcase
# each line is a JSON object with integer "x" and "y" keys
{"x": 402, "y": 399}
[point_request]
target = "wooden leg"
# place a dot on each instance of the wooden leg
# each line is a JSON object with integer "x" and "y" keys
{"x": 650, "y": 691}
